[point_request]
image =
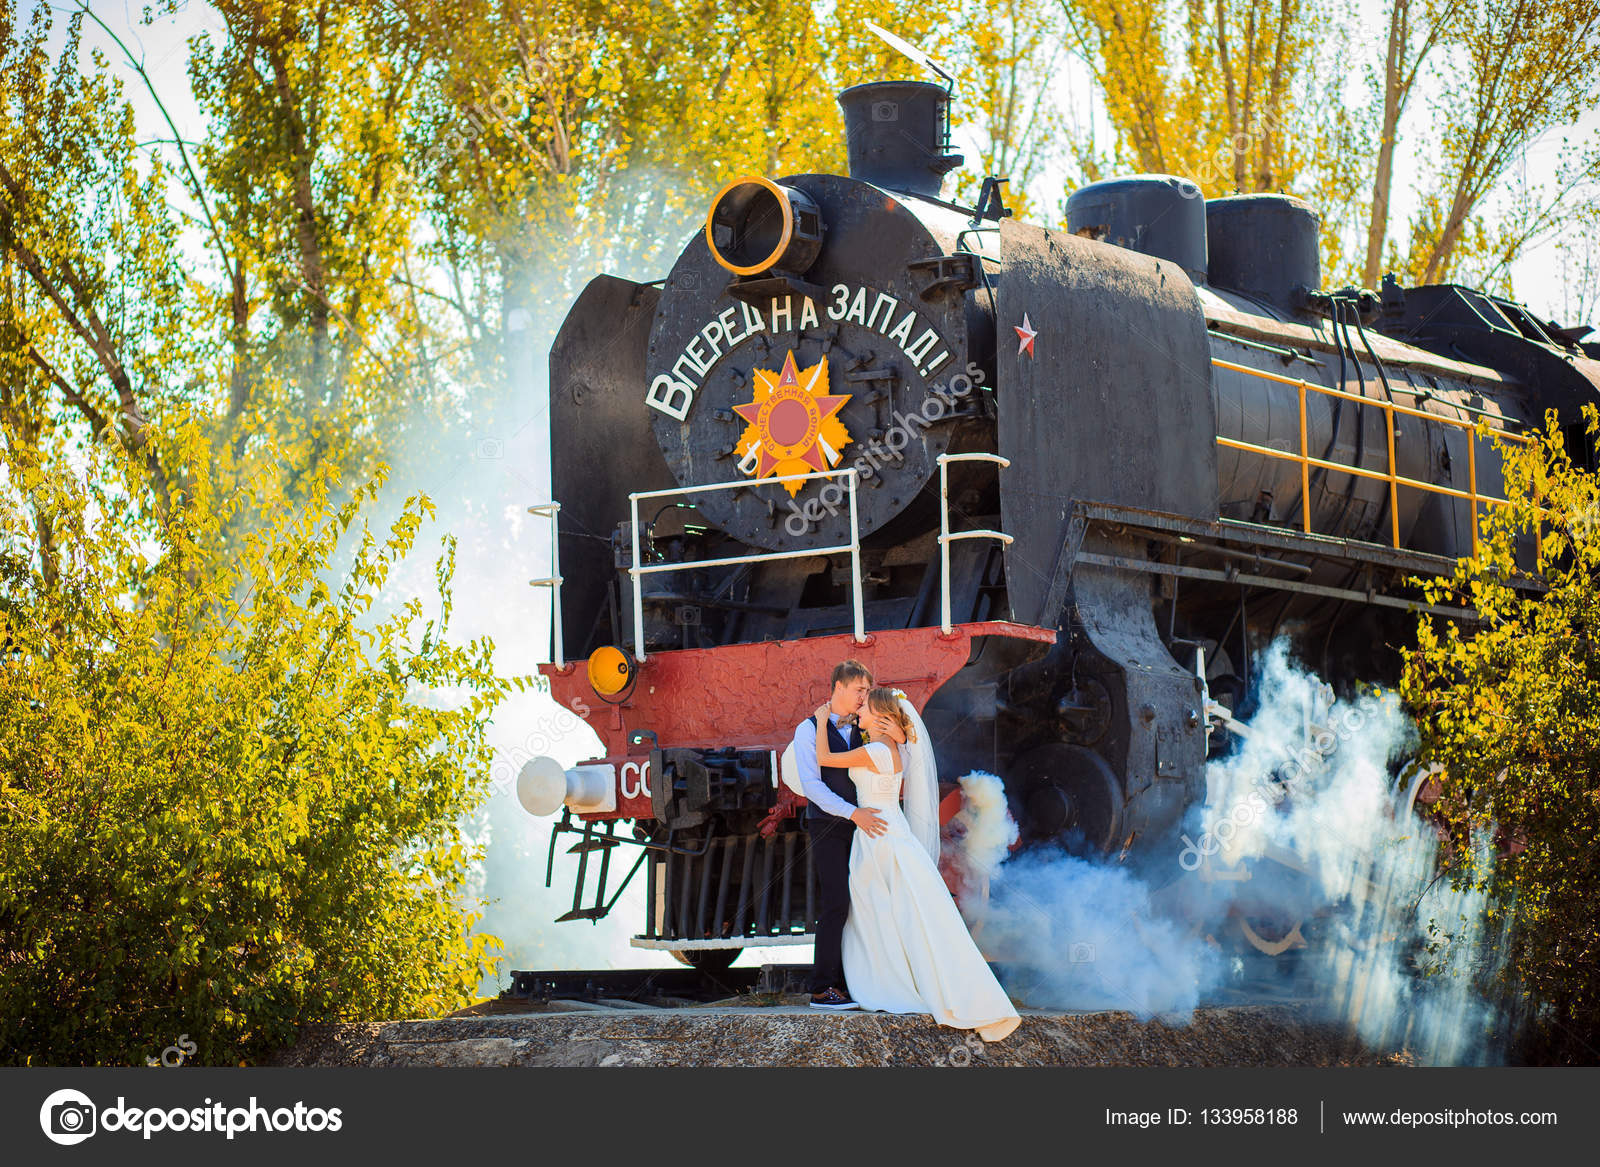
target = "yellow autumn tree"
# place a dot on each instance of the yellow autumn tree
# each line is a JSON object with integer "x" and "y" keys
{"x": 229, "y": 810}
{"x": 1510, "y": 707}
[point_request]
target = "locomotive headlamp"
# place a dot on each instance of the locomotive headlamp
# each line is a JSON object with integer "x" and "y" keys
{"x": 612, "y": 672}
{"x": 544, "y": 786}
{"x": 754, "y": 225}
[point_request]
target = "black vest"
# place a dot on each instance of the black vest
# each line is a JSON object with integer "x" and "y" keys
{"x": 835, "y": 778}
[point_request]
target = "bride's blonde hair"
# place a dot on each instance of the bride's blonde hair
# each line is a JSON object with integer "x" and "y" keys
{"x": 886, "y": 702}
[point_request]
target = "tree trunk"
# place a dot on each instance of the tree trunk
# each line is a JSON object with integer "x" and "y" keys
{"x": 1393, "y": 101}
{"x": 1443, "y": 251}
{"x": 1247, "y": 107}
{"x": 1235, "y": 131}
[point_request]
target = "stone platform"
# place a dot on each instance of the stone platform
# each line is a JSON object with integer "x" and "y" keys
{"x": 578, "y": 1034}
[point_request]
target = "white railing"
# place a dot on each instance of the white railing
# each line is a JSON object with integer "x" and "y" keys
{"x": 638, "y": 572}
{"x": 947, "y": 537}
{"x": 551, "y": 510}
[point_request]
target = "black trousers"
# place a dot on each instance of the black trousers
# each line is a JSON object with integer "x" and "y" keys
{"x": 831, "y": 838}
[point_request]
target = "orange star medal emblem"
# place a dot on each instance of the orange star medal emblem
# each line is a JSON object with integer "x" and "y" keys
{"x": 793, "y": 424}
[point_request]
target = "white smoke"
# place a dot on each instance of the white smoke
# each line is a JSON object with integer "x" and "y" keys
{"x": 1071, "y": 934}
{"x": 982, "y": 832}
{"x": 482, "y": 472}
{"x": 1310, "y": 802}
{"x": 1303, "y": 839}
{"x": 1067, "y": 933}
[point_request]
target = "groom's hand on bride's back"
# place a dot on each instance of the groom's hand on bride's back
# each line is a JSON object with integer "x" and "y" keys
{"x": 868, "y": 820}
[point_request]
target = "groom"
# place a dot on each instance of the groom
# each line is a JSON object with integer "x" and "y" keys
{"x": 832, "y": 819}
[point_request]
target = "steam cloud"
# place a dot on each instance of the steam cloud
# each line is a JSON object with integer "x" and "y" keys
{"x": 482, "y": 474}
{"x": 1301, "y": 825}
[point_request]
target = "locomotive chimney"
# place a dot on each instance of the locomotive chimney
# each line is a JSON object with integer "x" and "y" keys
{"x": 897, "y": 134}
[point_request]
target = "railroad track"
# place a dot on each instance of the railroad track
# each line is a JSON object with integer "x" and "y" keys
{"x": 1264, "y": 981}
{"x": 655, "y": 985}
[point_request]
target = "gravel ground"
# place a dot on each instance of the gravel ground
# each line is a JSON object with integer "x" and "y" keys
{"x": 779, "y": 1031}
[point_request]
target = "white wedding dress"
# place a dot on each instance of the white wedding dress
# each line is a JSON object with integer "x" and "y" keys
{"x": 906, "y": 948}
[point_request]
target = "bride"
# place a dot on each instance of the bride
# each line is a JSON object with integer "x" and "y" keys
{"x": 906, "y": 948}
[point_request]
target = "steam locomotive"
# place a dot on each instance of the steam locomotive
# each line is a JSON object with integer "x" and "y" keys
{"x": 1058, "y": 486}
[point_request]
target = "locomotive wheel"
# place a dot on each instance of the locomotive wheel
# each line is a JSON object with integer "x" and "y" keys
{"x": 1070, "y": 794}
{"x": 1418, "y": 789}
{"x": 707, "y": 959}
{"x": 1268, "y": 941}
{"x": 1423, "y": 787}
{"x": 1274, "y": 929}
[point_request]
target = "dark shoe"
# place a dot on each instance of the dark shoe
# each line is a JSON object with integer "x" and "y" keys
{"x": 832, "y": 999}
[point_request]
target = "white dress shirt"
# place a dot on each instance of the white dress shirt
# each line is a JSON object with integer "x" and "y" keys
{"x": 805, "y": 756}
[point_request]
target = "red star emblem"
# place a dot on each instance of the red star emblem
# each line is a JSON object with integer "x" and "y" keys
{"x": 1025, "y": 334}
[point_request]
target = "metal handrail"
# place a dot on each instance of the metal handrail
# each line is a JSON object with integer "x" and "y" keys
{"x": 636, "y": 572}
{"x": 947, "y": 537}
{"x": 1392, "y": 476}
{"x": 551, "y": 510}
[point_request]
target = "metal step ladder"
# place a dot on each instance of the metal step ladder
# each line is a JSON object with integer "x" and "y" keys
{"x": 552, "y": 511}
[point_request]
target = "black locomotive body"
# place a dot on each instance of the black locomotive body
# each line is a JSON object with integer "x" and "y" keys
{"x": 1151, "y": 434}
